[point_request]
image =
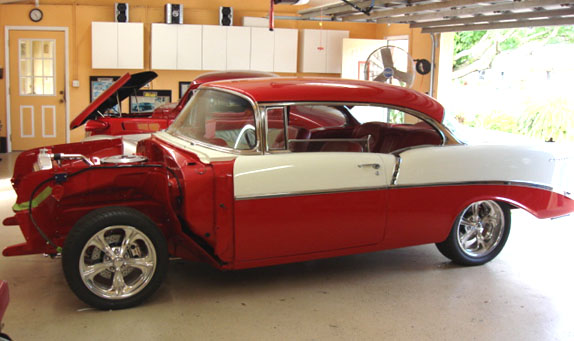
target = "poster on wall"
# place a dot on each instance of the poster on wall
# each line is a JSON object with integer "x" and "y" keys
{"x": 146, "y": 101}
{"x": 183, "y": 86}
{"x": 99, "y": 84}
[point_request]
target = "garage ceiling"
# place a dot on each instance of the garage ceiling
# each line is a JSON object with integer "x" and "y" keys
{"x": 450, "y": 15}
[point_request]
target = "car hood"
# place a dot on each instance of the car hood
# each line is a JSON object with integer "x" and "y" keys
{"x": 117, "y": 92}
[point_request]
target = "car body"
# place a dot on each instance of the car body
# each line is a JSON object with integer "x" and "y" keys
{"x": 268, "y": 171}
{"x": 100, "y": 117}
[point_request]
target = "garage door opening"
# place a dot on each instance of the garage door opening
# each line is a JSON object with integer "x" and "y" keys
{"x": 514, "y": 81}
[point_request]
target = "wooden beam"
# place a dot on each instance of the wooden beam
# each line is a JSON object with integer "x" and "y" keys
{"x": 496, "y": 26}
{"x": 526, "y": 4}
{"x": 413, "y": 9}
{"x": 496, "y": 18}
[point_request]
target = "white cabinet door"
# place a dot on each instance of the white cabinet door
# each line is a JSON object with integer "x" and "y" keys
{"x": 238, "y": 47}
{"x": 285, "y": 52}
{"x": 130, "y": 46}
{"x": 164, "y": 39}
{"x": 313, "y": 52}
{"x": 214, "y": 47}
{"x": 104, "y": 45}
{"x": 335, "y": 50}
{"x": 189, "y": 47}
{"x": 262, "y": 49}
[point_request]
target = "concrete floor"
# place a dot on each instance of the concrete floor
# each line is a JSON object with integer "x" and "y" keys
{"x": 407, "y": 294}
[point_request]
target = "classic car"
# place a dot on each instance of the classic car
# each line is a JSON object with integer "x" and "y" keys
{"x": 102, "y": 118}
{"x": 268, "y": 171}
{"x": 4, "y": 299}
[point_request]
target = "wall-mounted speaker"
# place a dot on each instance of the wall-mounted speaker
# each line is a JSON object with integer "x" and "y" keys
{"x": 174, "y": 14}
{"x": 226, "y": 16}
{"x": 122, "y": 12}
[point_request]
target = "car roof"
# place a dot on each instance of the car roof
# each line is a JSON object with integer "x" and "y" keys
{"x": 225, "y": 75}
{"x": 297, "y": 89}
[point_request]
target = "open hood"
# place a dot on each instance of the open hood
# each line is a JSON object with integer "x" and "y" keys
{"x": 117, "y": 92}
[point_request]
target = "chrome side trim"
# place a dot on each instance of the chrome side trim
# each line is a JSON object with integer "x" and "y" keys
{"x": 300, "y": 193}
{"x": 350, "y": 190}
{"x": 398, "y": 161}
{"x": 472, "y": 183}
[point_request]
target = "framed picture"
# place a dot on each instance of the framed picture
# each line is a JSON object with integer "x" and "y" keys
{"x": 99, "y": 84}
{"x": 183, "y": 86}
{"x": 145, "y": 101}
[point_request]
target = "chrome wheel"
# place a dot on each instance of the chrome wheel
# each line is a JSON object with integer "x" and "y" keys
{"x": 480, "y": 228}
{"x": 117, "y": 262}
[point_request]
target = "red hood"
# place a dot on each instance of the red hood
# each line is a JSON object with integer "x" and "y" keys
{"x": 116, "y": 93}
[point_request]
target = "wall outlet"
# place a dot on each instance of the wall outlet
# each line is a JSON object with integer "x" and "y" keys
{"x": 76, "y": 83}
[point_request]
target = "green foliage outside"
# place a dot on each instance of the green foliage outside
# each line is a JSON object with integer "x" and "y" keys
{"x": 544, "y": 119}
{"x": 541, "y": 117}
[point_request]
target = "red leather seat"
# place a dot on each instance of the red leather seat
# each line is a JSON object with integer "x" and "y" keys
{"x": 376, "y": 131}
{"x": 387, "y": 138}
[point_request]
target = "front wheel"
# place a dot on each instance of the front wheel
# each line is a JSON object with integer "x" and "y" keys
{"x": 478, "y": 233}
{"x": 114, "y": 258}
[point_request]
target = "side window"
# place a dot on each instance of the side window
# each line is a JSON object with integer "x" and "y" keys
{"x": 391, "y": 129}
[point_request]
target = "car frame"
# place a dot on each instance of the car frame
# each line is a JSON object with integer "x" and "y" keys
{"x": 270, "y": 171}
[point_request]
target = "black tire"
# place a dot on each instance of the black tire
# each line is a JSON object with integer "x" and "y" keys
{"x": 142, "y": 262}
{"x": 485, "y": 232}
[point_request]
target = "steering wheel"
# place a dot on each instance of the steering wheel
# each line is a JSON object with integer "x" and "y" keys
{"x": 250, "y": 137}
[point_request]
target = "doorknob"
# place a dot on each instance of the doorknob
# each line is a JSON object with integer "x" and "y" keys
{"x": 374, "y": 165}
{"x": 63, "y": 99}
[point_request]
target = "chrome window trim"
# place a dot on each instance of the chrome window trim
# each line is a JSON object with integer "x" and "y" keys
{"x": 391, "y": 187}
{"x": 257, "y": 150}
{"x": 265, "y": 119}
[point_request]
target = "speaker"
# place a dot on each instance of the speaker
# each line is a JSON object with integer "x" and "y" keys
{"x": 226, "y": 16}
{"x": 174, "y": 14}
{"x": 122, "y": 12}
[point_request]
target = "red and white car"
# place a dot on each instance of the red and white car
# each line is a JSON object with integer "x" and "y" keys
{"x": 276, "y": 170}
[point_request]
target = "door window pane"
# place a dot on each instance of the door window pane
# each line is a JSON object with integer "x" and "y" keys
{"x": 37, "y": 64}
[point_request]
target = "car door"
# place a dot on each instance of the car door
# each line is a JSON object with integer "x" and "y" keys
{"x": 299, "y": 203}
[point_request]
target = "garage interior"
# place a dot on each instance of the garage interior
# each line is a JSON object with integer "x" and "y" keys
{"x": 409, "y": 293}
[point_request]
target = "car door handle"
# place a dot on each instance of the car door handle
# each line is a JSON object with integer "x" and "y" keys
{"x": 374, "y": 165}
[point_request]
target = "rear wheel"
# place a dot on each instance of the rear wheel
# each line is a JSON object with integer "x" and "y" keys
{"x": 478, "y": 234}
{"x": 114, "y": 258}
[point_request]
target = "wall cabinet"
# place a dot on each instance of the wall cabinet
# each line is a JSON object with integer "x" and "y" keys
{"x": 238, "y": 47}
{"x": 117, "y": 45}
{"x": 214, "y": 44}
{"x": 285, "y": 51}
{"x": 322, "y": 50}
{"x": 176, "y": 47}
{"x": 262, "y": 49}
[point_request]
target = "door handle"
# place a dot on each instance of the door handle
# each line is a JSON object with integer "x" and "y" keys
{"x": 374, "y": 165}
{"x": 63, "y": 99}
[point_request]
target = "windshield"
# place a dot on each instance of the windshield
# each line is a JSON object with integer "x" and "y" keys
{"x": 218, "y": 118}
